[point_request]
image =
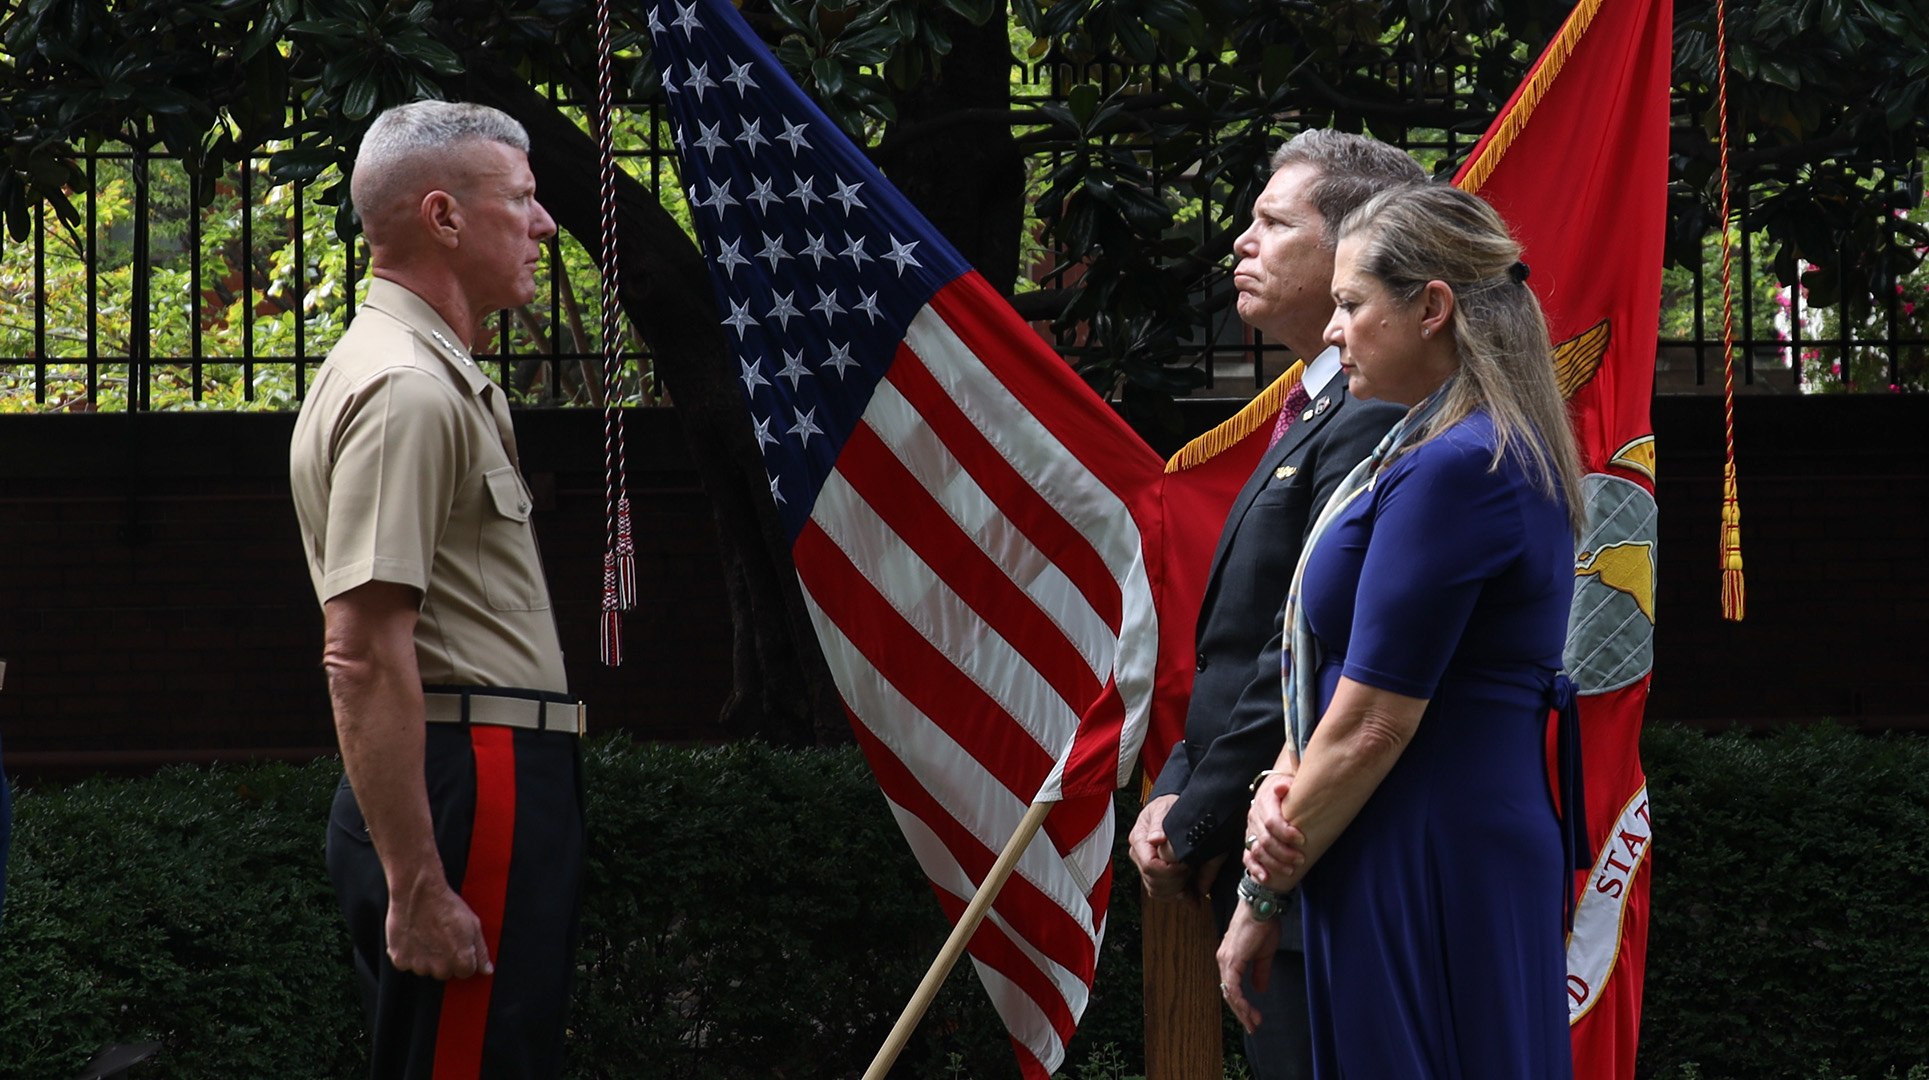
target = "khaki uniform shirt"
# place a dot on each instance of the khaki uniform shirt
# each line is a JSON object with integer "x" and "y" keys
{"x": 404, "y": 470}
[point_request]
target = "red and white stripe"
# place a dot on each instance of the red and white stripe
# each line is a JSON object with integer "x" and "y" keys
{"x": 979, "y": 587}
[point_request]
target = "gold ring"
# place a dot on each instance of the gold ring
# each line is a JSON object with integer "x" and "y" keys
{"x": 1250, "y": 841}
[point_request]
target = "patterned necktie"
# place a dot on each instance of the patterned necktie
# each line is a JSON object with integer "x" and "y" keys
{"x": 1296, "y": 399}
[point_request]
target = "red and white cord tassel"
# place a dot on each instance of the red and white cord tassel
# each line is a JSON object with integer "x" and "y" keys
{"x": 625, "y": 556}
{"x": 619, "y": 550}
{"x": 612, "y": 618}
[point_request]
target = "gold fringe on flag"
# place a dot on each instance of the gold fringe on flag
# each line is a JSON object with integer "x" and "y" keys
{"x": 1259, "y": 412}
{"x": 1533, "y": 90}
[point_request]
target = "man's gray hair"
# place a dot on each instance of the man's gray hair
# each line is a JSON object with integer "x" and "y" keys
{"x": 1352, "y": 169}
{"x": 403, "y": 137}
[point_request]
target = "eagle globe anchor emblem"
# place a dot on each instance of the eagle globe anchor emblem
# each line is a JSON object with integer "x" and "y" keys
{"x": 1610, "y": 631}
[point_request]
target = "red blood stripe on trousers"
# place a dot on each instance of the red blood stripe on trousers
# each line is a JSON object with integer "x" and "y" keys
{"x": 925, "y": 676}
{"x": 1048, "y": 927}
{"x": 1014, "y": 495}
{"x": 897, "y": 497}
{"x": 485, "y": 887}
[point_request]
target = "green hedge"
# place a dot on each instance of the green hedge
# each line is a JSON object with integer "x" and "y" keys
{"x": 750, "y": 913}
{"x": 1790, "y": 934}
{"x": 1788, "y": 939}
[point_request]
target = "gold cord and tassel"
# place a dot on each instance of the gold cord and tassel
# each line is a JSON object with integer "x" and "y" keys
{"x": 1733, "y": 594}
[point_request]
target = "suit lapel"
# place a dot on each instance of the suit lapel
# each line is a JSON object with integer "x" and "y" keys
{"x": 1273, "y": 459}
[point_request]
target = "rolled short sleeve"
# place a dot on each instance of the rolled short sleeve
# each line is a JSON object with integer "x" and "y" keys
{"x": 1444, "y": 524}
{"x": 393, "y": 472}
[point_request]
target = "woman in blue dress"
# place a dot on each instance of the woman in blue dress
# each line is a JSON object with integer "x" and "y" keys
{"x": 1411, "y": 804}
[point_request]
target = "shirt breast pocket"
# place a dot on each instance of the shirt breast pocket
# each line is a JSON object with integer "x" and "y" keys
{"x": 506, "y": 556}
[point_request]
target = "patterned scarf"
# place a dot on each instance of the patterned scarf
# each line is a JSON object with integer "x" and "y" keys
{"x": 1300, "y": 661}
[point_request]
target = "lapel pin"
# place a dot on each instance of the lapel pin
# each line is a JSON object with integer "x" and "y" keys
{"x": 1284, "y": 471}
{"x": 1321, "y": 407}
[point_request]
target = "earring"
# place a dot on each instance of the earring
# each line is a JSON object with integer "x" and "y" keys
{"x": 1426, "y": 331}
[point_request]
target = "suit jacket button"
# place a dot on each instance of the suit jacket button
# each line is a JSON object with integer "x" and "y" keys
{"x": 1200, "y": 663}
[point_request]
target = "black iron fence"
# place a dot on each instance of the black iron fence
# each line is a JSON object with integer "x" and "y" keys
{"x": 161, "y": 298}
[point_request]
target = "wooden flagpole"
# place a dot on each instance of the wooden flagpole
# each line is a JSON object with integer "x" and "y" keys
{"x": 1180, "y": 982}
{"x": 954, "y": 946}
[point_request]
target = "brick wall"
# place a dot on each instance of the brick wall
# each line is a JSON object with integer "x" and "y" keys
{"x": 154, "y": 604}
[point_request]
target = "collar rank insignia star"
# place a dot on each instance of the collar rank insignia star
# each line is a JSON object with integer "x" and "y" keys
{"x": 1321, "y": 407}
{"x": 451, "y": 346}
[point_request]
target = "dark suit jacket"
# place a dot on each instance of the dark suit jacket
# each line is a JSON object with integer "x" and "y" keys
{"x": 1234, "y": 725}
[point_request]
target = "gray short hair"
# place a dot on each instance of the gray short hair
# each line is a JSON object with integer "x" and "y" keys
{"x": 403, "y": 137}
{"x": 1352, "y": 169}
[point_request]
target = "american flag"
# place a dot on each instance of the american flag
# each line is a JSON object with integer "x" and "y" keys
{"x": 975, "y": 531}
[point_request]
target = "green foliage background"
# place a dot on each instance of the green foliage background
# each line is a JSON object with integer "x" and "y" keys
{"x": 754, "y": 913}
{"x": 1140, "y": 166}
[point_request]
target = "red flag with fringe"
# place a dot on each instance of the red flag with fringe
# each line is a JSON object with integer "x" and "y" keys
{"x": 1577, "y": 165}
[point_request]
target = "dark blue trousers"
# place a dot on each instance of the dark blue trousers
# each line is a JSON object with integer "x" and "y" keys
{"x": 507, "y": 805}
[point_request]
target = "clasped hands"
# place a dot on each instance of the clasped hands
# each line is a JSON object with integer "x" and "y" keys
{"x": 1275, "y": 850}
{"x": 1275, "y": 857}
{"x": 1166, "y": 876}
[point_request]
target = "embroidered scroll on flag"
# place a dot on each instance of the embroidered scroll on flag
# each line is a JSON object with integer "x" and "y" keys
{"x": 976, "y": 533}
{"x": 1577, "y": 165}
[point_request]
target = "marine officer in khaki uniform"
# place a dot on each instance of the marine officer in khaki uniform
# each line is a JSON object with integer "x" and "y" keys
{"x": 456, "y": 838}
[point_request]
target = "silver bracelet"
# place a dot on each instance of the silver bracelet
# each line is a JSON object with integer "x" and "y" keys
{"x": 1264, "y": 903}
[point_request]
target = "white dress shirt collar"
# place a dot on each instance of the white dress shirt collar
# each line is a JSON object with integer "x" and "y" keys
{"x": 1321, "y": 371}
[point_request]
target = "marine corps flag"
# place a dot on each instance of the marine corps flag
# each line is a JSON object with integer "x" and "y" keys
{"x": 1577, "y": 165}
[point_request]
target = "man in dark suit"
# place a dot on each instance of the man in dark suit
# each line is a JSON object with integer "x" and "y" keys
{"x": 1190, "y": 828}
